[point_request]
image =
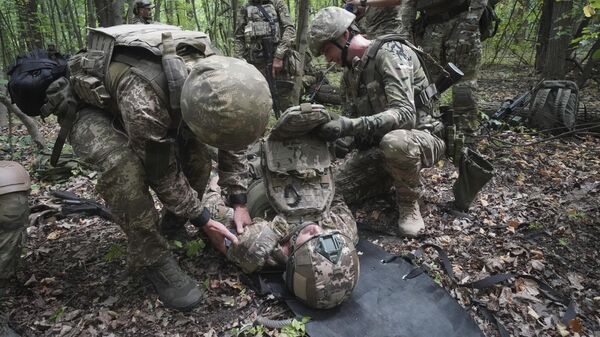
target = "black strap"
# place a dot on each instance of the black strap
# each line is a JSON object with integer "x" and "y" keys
{"x": 268, "y": 18}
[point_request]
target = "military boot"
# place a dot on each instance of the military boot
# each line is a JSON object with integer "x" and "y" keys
{"x": 175, "y": 288}
{"x": 410, "y": 221}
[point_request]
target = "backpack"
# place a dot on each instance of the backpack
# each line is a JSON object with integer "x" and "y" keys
{"x": 554, "y": 105}
{"x": 31, "y": 75}
{"x": 489, "y": 22}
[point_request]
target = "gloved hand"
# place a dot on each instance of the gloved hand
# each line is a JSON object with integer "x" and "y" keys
{"x": 343, "y": 146}
{"x": 336, "y": 128}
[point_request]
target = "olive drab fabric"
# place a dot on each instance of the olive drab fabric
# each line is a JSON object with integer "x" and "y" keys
{"x": 226, "y": 102}
{"x": 554, "y": 106}
{"x": 400, "y": 19}
{"x": 458, "y": 40}
{"x": 252, "y": 26}
{"x": 14, "y": 212}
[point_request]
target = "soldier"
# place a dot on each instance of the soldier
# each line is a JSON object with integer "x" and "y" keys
{"x": 143, "y": 124}
{"x": 265, "y": 37}
{"x": 383, "y": 81}
{"x": 142, "y": 11}
{"x": 451, "y": 34}
{"x": 313, "y": 234}
{"x": 376, "y": 18}
{"x": 14, "y": 212}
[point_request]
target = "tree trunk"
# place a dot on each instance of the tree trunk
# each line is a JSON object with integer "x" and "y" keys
{"x": 543, "y": 35}
{"x": 558, "y": 44}
{"x": 29, "y": 23}
{"x": 74, "y": 24}
{"x": 30, "y": 123}
{"x": 157, "y": 10}
{"x": 302, "y": 41}
{"x": 117, "y": 12}
{"x": 91, "y": 15}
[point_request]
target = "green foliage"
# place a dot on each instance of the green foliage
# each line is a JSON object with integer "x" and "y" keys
{"x": 114, "y": 252}
{"x": 296, "y": 329}
{"x": 193, "y": 248}
{"x": 563, "y": 241}
{"x": 55, "y": 317}
{"x": 535, "y": 226}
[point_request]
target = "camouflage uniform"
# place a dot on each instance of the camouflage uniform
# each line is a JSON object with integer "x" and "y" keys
{"x": 14, "y": 213}
{"x": 458, "y": 40}
{"x": 377, "y": 21}
{"x": 141, "y": 21}
{"x": 260, "y": 244}
{"x": 247, "y": 44}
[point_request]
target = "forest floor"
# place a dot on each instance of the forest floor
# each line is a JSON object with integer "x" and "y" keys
{"x": 538, "y": 216}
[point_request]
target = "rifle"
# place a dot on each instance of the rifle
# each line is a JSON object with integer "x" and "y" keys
{"x": 267, "y": 44}
{"x": 313, "y": 95}
{"x": 507, "y": 110}
{"x": 71, "y": 203}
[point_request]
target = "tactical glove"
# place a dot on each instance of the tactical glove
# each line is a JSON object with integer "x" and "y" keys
{"x": 335, "y": 129}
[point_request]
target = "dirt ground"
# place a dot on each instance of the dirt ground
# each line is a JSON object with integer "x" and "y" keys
{"x": 538, "y": 216}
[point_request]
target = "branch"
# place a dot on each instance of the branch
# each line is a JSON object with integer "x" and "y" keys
{"x": 30, "y": 123}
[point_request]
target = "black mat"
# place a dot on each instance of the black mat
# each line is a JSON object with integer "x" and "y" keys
{"x": 383, "y": 304}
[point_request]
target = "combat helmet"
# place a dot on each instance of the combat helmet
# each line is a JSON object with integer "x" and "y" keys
{"x": 13, "y": 178}
{"x": 226, "y": 102}
{"x": 323, "y": 271}
{"x": 328, "y": 25}
{"x": 141, "y": 4}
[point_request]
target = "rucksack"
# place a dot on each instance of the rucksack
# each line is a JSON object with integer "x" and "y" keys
{"x": 31, "y": 75}
{"x": 489, "y": 22}
{"x": 554, "y": 105}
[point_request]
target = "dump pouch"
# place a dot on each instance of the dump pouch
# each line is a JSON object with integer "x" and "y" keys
{"x": 474, "y": 172}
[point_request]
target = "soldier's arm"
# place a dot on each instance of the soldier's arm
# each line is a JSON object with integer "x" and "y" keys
{"x": 233, "y": 175}
{"x": 396, "y": 70}
{"x": 239, "y": 44}
{"x": 288, "y": 31}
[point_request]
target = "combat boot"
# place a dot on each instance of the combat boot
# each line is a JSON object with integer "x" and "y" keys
{"x": 410, "y": 221}
{"x": 174, "y": 287}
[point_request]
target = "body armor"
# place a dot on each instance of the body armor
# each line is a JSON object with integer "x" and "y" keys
{"x": 115, "y": 51}
{"x": 297, "y": 171}
{"x": 259, "y": 27}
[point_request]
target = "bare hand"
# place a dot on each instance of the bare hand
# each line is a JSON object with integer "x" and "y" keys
{"x": 277, "y": 65}
{"x": 217, "y": 233}
{"x": 241, "y": 217}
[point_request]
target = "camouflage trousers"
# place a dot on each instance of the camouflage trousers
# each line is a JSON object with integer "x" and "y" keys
{"x": 397, "y": 161}
{"x": 258, "y": 246}
{"x": 458, "y": 42}
{"x": 14, "y": 213}
{"x": 124, "y": 184}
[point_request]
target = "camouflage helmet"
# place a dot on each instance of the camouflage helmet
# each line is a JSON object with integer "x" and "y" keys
{"x": 255, "y": 245}
{"x": 226, "y": 102}
{"x": 141, "y": 4}
{"x": 323, "y": 271}
{"x": 328, "y": 25}
{"x": 13, "y": 178}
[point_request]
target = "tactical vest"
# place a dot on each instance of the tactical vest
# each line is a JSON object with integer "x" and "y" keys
{"x": 116, "y": 51}
{"x": 368, "y": 91}
{"x": 297, "y": 172}
{"x": 258, "y": 27}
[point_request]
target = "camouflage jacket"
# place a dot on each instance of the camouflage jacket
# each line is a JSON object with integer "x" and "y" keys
{"x": 141, "y": 21}
{"x": 147, "y": 121}
{"x": 287, "y": 31}
{"x": 378, "y": 21}
{"x": 384, "y": 100}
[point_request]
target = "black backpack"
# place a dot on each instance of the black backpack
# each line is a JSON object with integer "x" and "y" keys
{"x": 31, "y": 75}
{"x": 489, "y": 21}
{"x": 554, "y": 105}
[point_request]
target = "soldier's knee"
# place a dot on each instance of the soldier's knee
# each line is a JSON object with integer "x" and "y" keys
{"x": 400, "y": 145}
{"x": 14, "y": 210}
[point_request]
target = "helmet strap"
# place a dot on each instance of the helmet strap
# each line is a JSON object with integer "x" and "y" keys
{"x": 344, "y": 49}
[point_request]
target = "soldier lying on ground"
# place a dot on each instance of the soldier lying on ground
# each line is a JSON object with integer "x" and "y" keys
{"x": 142, "y": 111}
{"x": 313, "y": 234}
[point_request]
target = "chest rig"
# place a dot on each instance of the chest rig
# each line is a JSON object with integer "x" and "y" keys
{"x": 263, "y": 22}
{"x": 296, "y": 166}
{"x": 116, "y": 51}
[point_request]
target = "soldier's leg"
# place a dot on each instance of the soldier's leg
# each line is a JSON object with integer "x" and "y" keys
{"x": 432, "y": 41}
{"x": 463, "y": 48}
{"x": 406, "y": 152}
{"x": 14, "y": 213}
{"x": 362, "y": 177}
{"x": 122, "y": 185}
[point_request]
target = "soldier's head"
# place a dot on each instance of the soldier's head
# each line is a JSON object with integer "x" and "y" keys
{"x": 143, "y": 8}
{"x": 331, "y": 33}
{"x": 322, "y": 267}
{"x": 14, "y": 189}
{"x": 226, "y": 102}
